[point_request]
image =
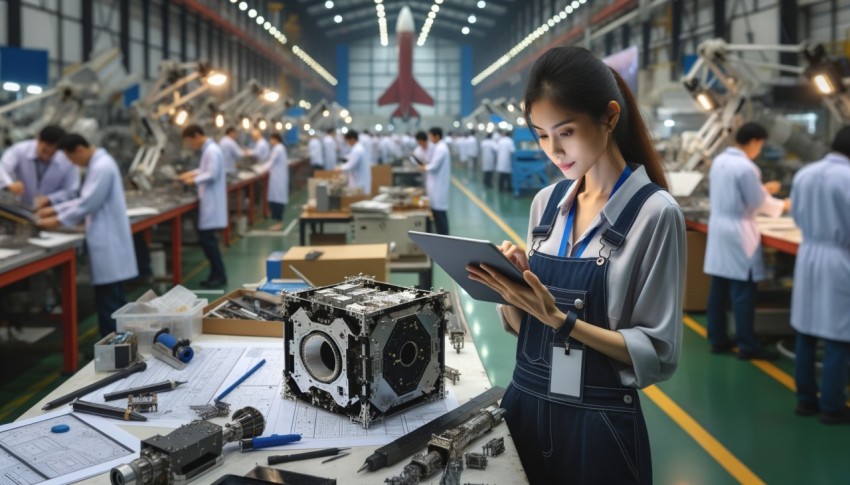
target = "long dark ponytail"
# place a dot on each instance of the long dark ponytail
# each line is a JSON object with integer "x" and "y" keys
{"x": 572, "y": 77}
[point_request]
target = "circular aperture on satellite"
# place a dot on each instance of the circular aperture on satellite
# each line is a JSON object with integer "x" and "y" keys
{"x": 321, "y": 357}
{"x": 408, "y": 354}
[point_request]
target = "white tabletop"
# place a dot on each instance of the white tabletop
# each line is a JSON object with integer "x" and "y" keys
{"x": 503, "y": 469}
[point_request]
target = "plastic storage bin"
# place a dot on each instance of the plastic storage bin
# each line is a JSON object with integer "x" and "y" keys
{"x": 145, "y": 321}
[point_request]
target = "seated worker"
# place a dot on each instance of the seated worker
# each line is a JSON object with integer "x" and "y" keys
{"x": 38, "y": 174}
{"x": 103, "y": 207}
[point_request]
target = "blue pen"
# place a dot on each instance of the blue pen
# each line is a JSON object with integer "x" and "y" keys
{"x": 269, "y": 441}
{"x": 240, "y": 380}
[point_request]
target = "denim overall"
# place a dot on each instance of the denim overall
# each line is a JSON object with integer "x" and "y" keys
{"x": 601, "y": 438}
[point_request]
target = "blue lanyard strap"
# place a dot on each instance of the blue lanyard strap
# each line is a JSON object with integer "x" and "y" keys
{"x": 572, "y": 215}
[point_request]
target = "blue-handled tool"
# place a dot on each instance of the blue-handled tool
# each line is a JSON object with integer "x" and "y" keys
{"x": 269, "y": 441}
{"x": 240, "y": 380}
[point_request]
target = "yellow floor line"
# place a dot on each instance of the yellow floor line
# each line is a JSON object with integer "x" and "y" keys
{"x": 708, "y": 442}
{"x": 768, "y": 368}
{"x": 519, "y": 241}
{"x": 20, "y": 400}
{"x": 703, "y": 438}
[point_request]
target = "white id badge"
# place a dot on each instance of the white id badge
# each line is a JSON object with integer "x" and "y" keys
{"x": 566, "y": 378}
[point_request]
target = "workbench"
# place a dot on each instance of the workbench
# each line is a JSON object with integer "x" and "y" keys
{"x": 778, "y": 233}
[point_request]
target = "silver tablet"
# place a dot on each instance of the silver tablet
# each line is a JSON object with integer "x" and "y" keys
{"x": 453, "y": 254}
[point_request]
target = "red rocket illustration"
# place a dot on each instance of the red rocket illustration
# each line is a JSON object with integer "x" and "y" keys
{"x": 405, "y": 91}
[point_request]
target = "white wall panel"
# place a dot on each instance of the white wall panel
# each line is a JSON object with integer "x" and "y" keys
{"x": 38, "y": 30}
{"x": 72, "y": 41}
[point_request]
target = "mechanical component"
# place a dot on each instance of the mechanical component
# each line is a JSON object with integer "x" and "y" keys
{"x": 142, "y": 403}
{"x": 449, "y": 445}
{"x": 364, "y": 348}
{"x": 173, "y": 352}
{"x": 476, "y": 461}
{"x": 494, "y": 447}
{"x": 187, "y": 452}
{"x": 451, "y": 475}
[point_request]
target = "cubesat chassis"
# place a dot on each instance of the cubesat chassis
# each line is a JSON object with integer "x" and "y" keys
{"x": 364, "y": 349}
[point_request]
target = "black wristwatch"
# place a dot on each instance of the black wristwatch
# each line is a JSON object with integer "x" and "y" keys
{"x": 564, "y": 332}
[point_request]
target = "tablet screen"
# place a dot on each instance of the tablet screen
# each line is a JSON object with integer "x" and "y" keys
{"x": 453, "y": 254}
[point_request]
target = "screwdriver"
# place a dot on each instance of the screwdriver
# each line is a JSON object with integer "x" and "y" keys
{"x": 277, "y": 459}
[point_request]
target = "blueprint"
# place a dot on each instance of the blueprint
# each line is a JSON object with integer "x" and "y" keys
{"x": 204, "y": 375}
{"x": 30, "y": 453}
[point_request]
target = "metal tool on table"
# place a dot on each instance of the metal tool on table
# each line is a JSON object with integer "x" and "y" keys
{"x": 219, "y": 407}
{"x": 278, "y": 459}
{"x": 163, "y": 386}
{"x": 137, "y": 367}
{"x": 261, "y": 442}
{"x": 105, "y": 411}
{"x": 174, "y": 352}
{"x": 187, "y": 452}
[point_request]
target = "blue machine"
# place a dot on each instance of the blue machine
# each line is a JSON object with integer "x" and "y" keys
{"x": 529, "y": 164}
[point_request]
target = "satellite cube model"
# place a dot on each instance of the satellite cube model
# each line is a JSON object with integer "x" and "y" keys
{"x": 364, "y": 349}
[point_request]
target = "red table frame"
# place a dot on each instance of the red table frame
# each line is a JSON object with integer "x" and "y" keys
{"x": 67, "y": 260}
{"x": 175, "y": 216}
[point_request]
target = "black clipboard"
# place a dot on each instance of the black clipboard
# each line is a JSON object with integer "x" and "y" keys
{"x": 415, "y": 160}
{"x": 454, "y": 253}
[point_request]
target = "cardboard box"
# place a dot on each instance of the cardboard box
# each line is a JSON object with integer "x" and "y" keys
{"x": 233, "y": 326}
{"x": 382, "y": 176}
{"x": 697, "y": 283}
{"x": 338, "y": 262}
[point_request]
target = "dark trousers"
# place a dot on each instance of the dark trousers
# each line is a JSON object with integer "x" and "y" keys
{"x": 505, "y": 182}
{"x": 441, "y": 222}
{"x": 743, "y": 296}
{"x": 108, "y": 299}
{"x": 277, "y": 210}
{"x": 834, "y": 377}
{"x": 209, "y": 243}
{"x": 488, "y": 179}
{"x": 143, "y": 255}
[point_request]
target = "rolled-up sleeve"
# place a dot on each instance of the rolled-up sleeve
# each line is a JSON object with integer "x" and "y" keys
{"x": 654, "y": 337}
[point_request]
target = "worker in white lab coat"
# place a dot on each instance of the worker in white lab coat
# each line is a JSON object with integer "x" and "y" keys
{"x": 103, "y": 207}
{"x": 472, "y": 150}
{"x": 316, "y": 152}
{"x": 37, "y": 172}
{"x": 821, "y": 298}
{"x": 733, "y": 255}
{"x": 330, "y": 151}
{"x": 357, "y": 164}
{"x": 488, "y": 159}
{"x": 505, "y": 149}
{"x": 367, "y": 142}
{"x": 278, "y": 167}
{"x": 261, "y": 148}
{"x": 212, "y": 200}
{"x": 422, "y": 152}
{"x": 438, "y": 174}
{"x": 230, "y": 149}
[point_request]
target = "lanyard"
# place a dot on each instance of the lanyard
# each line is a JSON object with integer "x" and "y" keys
{"x": 572, "y": 215}
{"x": 40, "y": 169}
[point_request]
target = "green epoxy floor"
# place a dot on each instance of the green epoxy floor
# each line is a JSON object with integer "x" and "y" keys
{"x": 743, "y": 408}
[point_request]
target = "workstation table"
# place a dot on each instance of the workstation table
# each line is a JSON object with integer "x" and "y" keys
{"x": 503, "y": 469}
{"x": 33, "y": 260}
{"x": 778, "y": 233}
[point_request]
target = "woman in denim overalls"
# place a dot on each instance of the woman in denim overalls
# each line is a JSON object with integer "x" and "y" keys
{"x": 601, "y": 314}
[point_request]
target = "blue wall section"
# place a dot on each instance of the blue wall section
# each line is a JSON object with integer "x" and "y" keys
{"x": 23, "y": 66}
{"x": 342, "y": 64}
{"x": 466, "y": 94}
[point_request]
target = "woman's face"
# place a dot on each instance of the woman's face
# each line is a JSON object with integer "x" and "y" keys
{"x": 572, "y": 141}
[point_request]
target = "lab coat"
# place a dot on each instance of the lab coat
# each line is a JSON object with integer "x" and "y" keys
{"x": 819, "y": 204}
{"x": 736, "y": 195}
{"x": 358, "y": 168}
{"x": 505, "y": 149}
{"x": 103, "y": 207}
{"x": 462, "y": 149}
{"x": 212, "y": 188}
{"x": 367, "y": 143}
{"x": 472, "y": 147}
{"x": 261, "y": 149}
{"x": 278, "y": 168}
{"x": 438, "y": 176}
{"x": 60, "y": 179}
{"x": 232, "y": 153}
{"x": 314, "y": 147}
{"x": 488, "y": 155}
{"x": 423, "y": 154}
{"x": 329, "y": 152}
